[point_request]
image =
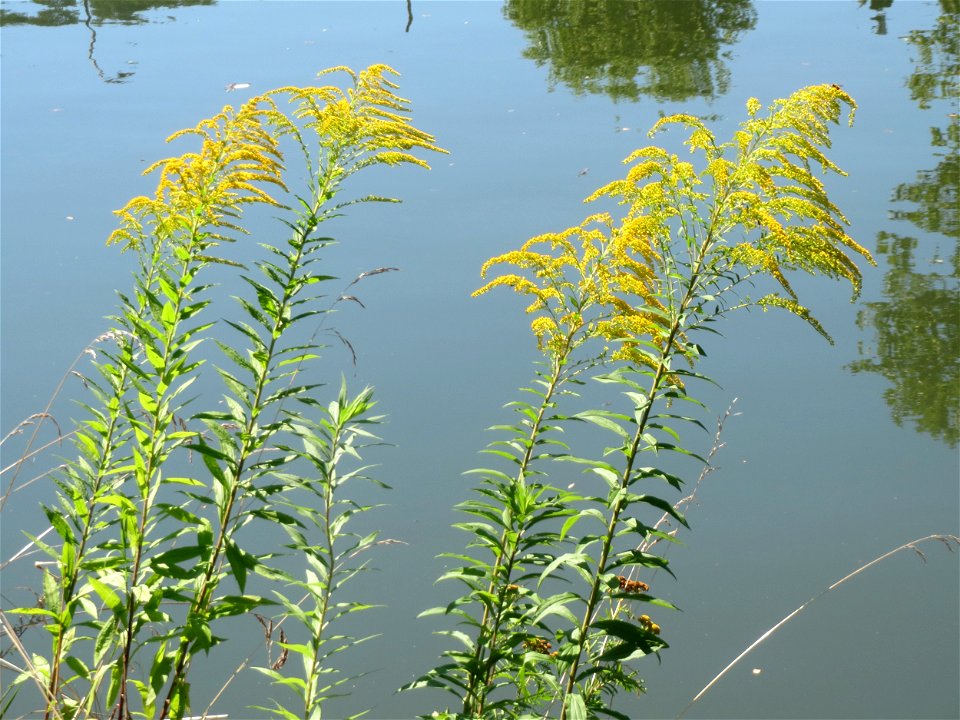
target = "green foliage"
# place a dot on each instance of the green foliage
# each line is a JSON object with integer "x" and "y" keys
{"x": 916, "y": 340}
{"x": 153, "y": 549}
{"x": 938, "y": 58}
{"x": 549, "y": 614}
{"x": 154, "y": 519}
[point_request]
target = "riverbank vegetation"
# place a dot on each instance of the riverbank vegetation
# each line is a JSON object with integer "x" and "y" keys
{"x": 157, "y": 527}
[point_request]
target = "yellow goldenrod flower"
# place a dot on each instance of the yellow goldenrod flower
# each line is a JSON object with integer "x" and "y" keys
{"x": 627, "y": 274}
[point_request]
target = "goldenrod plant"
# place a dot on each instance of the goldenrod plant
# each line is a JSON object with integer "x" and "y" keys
{"x": 154, "y": 527}
{"x": 553, "y": 615}
{"x": 152, "y": 550}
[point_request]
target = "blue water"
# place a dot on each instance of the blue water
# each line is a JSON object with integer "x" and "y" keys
{"x": 815, "y": 477}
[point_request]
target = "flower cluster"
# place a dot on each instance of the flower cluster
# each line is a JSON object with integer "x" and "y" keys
{"x": 648, "y": 624}
{"x": 594, "y": 279}
{"x": 538, "y": 644}
{"x": 200, "y": 194}
{"x": 632, "y": 586}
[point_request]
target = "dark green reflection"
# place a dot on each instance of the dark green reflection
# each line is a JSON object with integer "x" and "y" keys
{"x": 52, "y": 13}
{"x": 916, "y": 341}
{"x": 934, "y": 193}
{"x": 666, "y": 49}
{"x": 879, "y": 7}
{"x": 916, "y": 325}
{"x": 937, "y": 72}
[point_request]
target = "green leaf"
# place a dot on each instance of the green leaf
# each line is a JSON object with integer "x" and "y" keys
{"x": 575, "y": 707}
{"x": 106, "y": 636}
{"x": 116, "y": 680}
{"x": 613, "y": 713}
{"x": 230, "y": 605}
{"x": 625, "y": 631}
{"x": 107, "y": 595}
{"x": 68, "y": 560}
{"x": 640, "y": 558}
{"x": 577, "y": 560}
{"x": 177, "y": 512}
{"x": 605, "y": 420}
{"x": 160, "y": 669}
{"x": 634, "y": 641}
{"x": 59, "y": 524}
{"x": 279, "y": 710}
{"x": 237, "y": 358}
{"x": 76, "y": 664}
{"x": 208, "y": 451}
{"x": 168, "y": 315}
{"x": 35, "y": 611}
{"x": 574, "y": 519}
{"x": 240, "y": 562}
{"x": 179, "y": 562}
{"x": 554, "y": 605}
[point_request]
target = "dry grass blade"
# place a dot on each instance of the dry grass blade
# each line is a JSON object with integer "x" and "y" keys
{"x": 948, "y": 540}
{"x": 34, "y": 674}
{"x": 30, "y": 451}
{"x": 27, "y": 549}
{"x": 282, "y": 660}
{"x": 33, "y": 420}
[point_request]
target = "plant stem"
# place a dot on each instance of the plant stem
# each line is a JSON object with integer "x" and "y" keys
{"x": 666, "y": 353}
{"x": 475, "y": 698}
{"x": 329, "y": 537}
{"x": 160, "y": 419}
{"x": 251, "y": 442}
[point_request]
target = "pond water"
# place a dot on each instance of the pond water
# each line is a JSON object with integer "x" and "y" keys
{"x": 838, "y": 454}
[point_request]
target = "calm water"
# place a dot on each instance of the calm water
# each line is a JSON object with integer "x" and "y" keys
{"x": 839, "y": 454}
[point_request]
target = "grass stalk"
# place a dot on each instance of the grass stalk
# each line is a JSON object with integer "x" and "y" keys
{"x": 949, "y": 541}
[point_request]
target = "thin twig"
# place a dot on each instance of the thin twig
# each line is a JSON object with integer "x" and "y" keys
{"x": 46, "y": 473}
{"x": 647, "y": 544}
{"x": 26, "y": 549}
{"x": 948, "y": 540}
{"x": 708, "y": 468}
{"x": 32, "y": 421}
{"x": 45, "y": 413}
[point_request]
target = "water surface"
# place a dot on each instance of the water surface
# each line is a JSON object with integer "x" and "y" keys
{"x": 839, "y": 453}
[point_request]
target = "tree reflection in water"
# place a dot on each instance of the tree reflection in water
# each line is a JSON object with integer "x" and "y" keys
{"x": 93, "y": 14}
{"x": 54, "y": 13}
{"x": 916, "y": 326}
{"x": 662, "y": 48}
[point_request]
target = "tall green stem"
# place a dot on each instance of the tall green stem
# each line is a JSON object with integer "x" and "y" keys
{"x": 666, "y": 353}
{"x": 252, "y": 442}
{"x": 475, "y": 697}
{"x": 108, "y": 443}
{"x": 153, "y": 459}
